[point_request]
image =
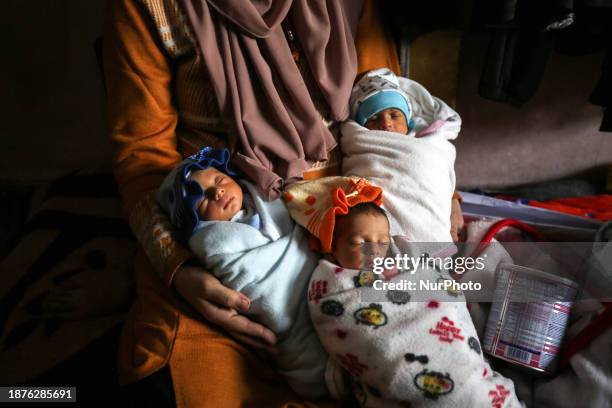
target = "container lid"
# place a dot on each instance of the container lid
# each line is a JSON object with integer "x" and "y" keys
{"x": 538, "y": 274}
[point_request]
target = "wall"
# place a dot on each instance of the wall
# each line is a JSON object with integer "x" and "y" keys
{"x": 52, "y": 96}
{"x": 554, "y": 135}
{"x": 52, "y": 109}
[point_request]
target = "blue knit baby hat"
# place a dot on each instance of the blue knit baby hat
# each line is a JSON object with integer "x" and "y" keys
{"x": 376, "y": 91}
{"x": 179, "y": 194}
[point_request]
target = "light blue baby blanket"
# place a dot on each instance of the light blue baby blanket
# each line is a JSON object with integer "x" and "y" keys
{"x": 272, "y": 266}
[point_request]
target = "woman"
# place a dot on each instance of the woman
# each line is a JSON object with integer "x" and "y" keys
{"x": 181, "y": 74}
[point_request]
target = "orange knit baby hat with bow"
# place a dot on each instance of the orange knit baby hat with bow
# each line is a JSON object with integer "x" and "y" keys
{"x": 315, "y": 204}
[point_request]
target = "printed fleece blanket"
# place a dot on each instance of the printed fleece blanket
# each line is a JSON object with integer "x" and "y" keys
{"x": 413, "y": 346}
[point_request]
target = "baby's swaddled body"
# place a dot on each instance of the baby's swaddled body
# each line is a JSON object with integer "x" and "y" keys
{"x": 415, "y": 171}
{"x": 403, "y": 348}
{"x": 271, "y": 266}
{"x": 253, "y": 247}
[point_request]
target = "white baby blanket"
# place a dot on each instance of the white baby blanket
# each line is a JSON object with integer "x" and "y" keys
{"x": 416, "y": 171}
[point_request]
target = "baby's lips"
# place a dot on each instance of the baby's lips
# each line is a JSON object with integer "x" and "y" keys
{"x": 227, "y": 201}
{"x": 369, "y": 261}
{"x": 390, "y": 273}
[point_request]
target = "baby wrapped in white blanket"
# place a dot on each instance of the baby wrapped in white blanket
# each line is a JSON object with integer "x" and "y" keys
{"x": 415, "y": 170}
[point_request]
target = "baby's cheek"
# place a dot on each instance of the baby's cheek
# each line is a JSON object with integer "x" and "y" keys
{"x": 355, "y": 257}
{"x": 346, "y": 257}
{"x": 235, "y": 209}
{"x": 372, "y": 125}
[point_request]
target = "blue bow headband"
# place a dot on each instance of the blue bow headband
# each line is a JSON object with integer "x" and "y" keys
{"x": 179, "y": 194}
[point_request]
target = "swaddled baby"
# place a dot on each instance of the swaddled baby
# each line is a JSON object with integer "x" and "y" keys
{"x": 400, "y": 347}
{"x": 253, "y": 247}
{"x": 399, "y": 139}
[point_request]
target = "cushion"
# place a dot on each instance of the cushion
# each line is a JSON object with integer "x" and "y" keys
{"x": 69, "y": 279}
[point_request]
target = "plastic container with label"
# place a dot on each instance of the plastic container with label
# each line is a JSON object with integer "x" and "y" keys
{"x": 528, "y": 317}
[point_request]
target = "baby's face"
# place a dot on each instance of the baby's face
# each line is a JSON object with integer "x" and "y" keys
{"x": 390, "y": 120}
{"x": 222, "y": 195}
{"x": 354, "y": 233}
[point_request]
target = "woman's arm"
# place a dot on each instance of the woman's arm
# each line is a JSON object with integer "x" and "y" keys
{"x": 457, "y": 222}
{"x": 142, "y": 123}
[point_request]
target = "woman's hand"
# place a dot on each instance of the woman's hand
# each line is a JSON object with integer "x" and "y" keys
{"x": 220, "y": 306}
{"x": 457, "y": 224}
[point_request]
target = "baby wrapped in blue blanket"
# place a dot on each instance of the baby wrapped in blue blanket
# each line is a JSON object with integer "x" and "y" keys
{"x": 254, "y": 247}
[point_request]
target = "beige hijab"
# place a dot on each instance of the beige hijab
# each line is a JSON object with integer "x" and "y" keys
{"x": 259, "y": 87}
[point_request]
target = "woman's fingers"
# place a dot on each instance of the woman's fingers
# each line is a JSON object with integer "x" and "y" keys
{"x": 214, "y": 291}
{"x": 219, "y": 305}
{"x": 459, "y": 229}
{"x": 193, "y": 282}
{"x": 462, "y": 233}
{"x": 235, "y": 323}
{"x": 457, "y": 222}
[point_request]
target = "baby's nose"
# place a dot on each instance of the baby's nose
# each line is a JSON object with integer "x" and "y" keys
{"x": 379, "y": 250}
{"x": 218, "y": 193}
{"x": 387, "y": 123}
